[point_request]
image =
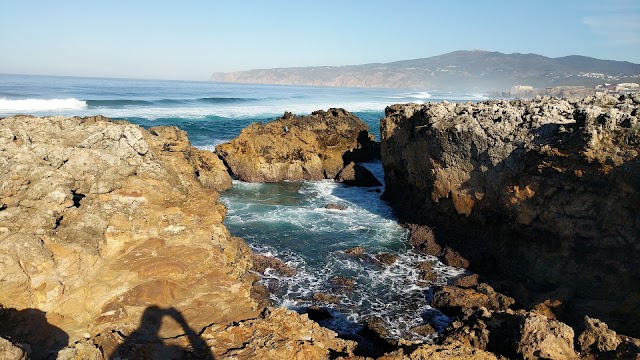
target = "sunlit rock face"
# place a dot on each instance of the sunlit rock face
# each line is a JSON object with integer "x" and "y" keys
{"x": 543, "y": 194}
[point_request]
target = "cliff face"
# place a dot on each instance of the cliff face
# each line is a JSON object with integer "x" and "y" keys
{"x": 106, "y": 229}
{"x": 540, "y": 195}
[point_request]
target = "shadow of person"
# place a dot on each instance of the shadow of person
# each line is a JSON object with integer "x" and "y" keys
{"x": 145, "y": 342}
{"x": 30, "y": 326}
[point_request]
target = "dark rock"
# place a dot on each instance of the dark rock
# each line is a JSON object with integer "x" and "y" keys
{"x": 316, "y": 313}
{"x": 335, "y": 207}
{"x": 261, "y": 263}
{"x": 357, "y": 175}
{"x": 423, "y": 240}
{"x": 386, "y": 258}
{"x": 453, "y": 258}
{"x": 378, "y": 326}
{"x": 426, "y": 272}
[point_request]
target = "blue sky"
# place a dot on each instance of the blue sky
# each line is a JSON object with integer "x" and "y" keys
{"x": 191, "y": 39}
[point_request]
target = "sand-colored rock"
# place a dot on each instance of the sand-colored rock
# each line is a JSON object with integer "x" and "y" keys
{"x": 543, "y": 193}
{"x": 452, "y": 300}
{"x": 440, "y": 352}
{"x": 311, "y": 147}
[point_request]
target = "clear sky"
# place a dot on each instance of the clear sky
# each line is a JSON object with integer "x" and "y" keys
{"x": 192, "y": 39}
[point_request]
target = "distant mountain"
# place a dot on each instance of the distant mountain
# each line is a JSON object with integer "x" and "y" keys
{"x": 459, "y": 70}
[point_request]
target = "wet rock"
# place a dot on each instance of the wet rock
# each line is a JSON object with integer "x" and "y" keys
{"x": 261, "y": 263}
{"x": 423, "y": 240}
{"x": 344, "y": 283}
{"x": 378, "y": 326}
{"x": 453, "y": 300}
{"x": 260, "y": 294}
{"x": 597, "y": 338}
{"x": 387, "y": 258}
{"x": 427, "y": 273}
{"x": 335, "y": 207}
{"x": 468, "y": 281}
{"x": 311, "y": 147}
{"x": 357, "y": 175}
{"x": 424, "y": 330}
{"x": 326, "y": 298}
{"x": 316, "y": 313}
{"x": 452, "y": 258}
{"x": 356, "y": 251}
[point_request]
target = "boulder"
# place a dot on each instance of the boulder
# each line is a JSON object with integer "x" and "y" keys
{"x": 261, "y": 263}
{"x": 335, "y": 207}
{"x": 357, "y": 175}
{"x": 542, "y": 192}
{"x": 597, "y": 338}
{"x": 423, "y": 240}
{"x": 453, "y": 300}
{"x": 313, "y": 147}
{"x": 386, "y": 259}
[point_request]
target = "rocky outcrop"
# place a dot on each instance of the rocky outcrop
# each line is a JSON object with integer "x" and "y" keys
{"x": 311, "y": 147}
{"x": 111, "y": 237}
{"x": 541, "y": 194}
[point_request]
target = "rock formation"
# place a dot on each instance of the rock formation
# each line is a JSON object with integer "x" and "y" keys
{"x": 111, "y": 239}
{"x": 538, "y": 195}
{"x": 313, "y": 147}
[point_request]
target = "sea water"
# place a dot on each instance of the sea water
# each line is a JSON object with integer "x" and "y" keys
{"x": 288, "y": 220}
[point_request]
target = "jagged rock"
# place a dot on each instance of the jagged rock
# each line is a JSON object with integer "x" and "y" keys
{"x": 597, "y": 337}
{"x": 453, "y": 258}
{"x": 83, "y": 350}
{"x": 310, "y": 147}
{"x": 356, "y": 251}
{"x": 276, "y": 334}
{"x": 335, "y": 207}
{"x": 11, "y": 351}
{"x": 467, "y": 281}
{"x": 511, "y": 334}
{"x": 424, "y": 330}
{"x": 344, "y": 283}
{"x": 427, "y": 273}
{"x": 357, "y": 175}
{"x": 386, "y": 258}
{"x": 423, "y": 240}
{"x": 440, "y": 352}
{"x": 261, "y": 263}
{"x": 452, "y": 300}
{"x": 545, "y": 190}
{"x": 324, "y": 297}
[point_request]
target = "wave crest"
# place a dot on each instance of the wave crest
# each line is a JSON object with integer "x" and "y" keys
{"x": 41, "y": 104}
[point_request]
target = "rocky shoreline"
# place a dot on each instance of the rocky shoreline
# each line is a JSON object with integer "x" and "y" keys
{"x": 112, "y": 242}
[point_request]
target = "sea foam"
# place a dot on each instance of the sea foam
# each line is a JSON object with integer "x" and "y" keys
{"x": 9, "y": 105}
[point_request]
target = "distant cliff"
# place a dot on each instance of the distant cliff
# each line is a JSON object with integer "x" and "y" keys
{"x": 477, "y": 69}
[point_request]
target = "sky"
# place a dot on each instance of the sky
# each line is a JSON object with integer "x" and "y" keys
{"x": 189, "y": 40}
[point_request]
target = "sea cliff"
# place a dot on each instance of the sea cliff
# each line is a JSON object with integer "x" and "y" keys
{"x": 541, "y": 196}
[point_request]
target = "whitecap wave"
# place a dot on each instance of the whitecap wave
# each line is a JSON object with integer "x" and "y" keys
{"x": 10, "y": 105}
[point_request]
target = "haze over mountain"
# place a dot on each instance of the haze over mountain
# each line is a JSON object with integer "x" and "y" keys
{"x": 458, "y": 70}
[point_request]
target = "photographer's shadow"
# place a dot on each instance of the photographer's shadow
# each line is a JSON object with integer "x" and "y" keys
{"x": 145, "y": 342}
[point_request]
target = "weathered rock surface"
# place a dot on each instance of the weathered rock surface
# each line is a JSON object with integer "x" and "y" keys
{"x": 543, "y": 193}
{"x": 311, "y": 147}
{"x": 261, "y": 263}
{"x": 453, "y": 300}
{"x": 106, "y": 229}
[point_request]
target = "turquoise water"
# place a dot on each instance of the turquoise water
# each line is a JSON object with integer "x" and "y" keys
{"x": 287, "y": 220}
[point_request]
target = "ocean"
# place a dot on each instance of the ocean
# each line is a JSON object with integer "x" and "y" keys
{"x": 288, "y": 220}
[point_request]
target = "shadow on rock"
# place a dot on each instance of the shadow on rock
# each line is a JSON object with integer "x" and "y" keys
{"x": 146, "y": 343}
{"x": 31, "y": 327}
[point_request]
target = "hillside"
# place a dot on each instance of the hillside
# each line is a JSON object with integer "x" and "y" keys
{"x": 477, "y": 69}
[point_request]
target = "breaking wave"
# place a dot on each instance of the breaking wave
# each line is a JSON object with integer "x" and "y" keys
{"x": 9, "y": 105}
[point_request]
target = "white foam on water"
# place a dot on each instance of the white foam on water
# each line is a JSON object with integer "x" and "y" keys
{"x": 37, "y": 105}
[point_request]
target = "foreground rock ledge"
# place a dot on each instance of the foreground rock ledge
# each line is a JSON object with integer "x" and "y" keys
{"x": 111, "y": 236}
{"x": 542, "y": 196}
{"x": 313, "y": 147}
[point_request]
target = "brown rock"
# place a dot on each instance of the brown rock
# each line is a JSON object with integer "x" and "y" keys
{"x": 426, "y": 271}
{"x": 597, "y": 338}
{"x": 424, "y": 330}
{"x": 357, "y": 175}
{"x": 453, "y": 258}
{"x": 386, "y": 258}
{"x": 452, "y": 300}
{"x": 378, "y": 326}
{"x": 326, "y": 298}
{"x": 344, "y": 283}
{"x": 111, "y": 218}
{"x": 357, "y": 251}
{"x": 467, "y": 281}
{"x": 440, "y": 352}
{"x": 335, "y": 207}
{"x": 297, "y": 148}
{"x": 423, "y": 240}
{"x": 11, "y": 351}
{"x": 261, "y": 263}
